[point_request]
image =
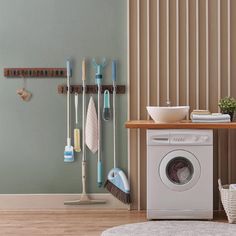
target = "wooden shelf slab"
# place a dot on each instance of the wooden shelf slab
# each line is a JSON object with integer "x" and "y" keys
{"x": 186, "y": 124}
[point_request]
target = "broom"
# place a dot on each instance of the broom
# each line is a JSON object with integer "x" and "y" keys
{"x": 117, "y": 183}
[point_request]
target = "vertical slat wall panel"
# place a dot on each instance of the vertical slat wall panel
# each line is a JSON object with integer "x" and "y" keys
{"x": 133, "y": 100}
{"x": 219, "y": 49}
{"x": 207, "y": 53}
{"x": 180, "y": 50}
{"x": 177, "y": 52}
{"x": 228, "y": 51}
{"x": 154, "y": 51}
{"x": 167, "y": 51}
{"x": 128, "y": 85}
{"x": 197, "y": 54}
{"x": 144, "y": 90}
{"x": 228, "y": 91}
{"x": 148, "y": 54}
{"x": 173, "y": 85}
{"x": 202, "y": 54}
{"x": 158, "y": 52}
{"x": 182, "y": 53}
{"x": 213, "y": 55}
{"x": 138, "y": 98}
{"x": 187, "y": 50}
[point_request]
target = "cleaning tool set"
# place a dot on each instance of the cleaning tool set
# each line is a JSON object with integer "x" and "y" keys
{"x": 69, "y": 150}
{"x": 117, "y": 183}
{"x": 106, "y": 106}
{"x": 84, "y": 200}
{"x": 98, "y": 77}
{"x": 76, "y": 130}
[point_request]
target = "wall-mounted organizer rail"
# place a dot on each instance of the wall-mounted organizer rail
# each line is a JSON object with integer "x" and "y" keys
{"x": 35, "y": 72}
{"x": 62, "y": 89}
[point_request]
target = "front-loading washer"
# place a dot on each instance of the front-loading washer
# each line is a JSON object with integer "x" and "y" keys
{"x": 180, "y": 174}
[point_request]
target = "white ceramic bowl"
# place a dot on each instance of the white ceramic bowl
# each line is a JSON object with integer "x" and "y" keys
{"x": 168, "y": 114}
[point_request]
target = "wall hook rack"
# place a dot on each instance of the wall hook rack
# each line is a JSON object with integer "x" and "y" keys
{"x": 62, "y": 89}
{"x": 35, "y": 73}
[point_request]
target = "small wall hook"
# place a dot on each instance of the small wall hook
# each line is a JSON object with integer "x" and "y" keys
{"x": 24, "y": 94}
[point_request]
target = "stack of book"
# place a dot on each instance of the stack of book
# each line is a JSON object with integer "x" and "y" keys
{"x": 204, "y": 116}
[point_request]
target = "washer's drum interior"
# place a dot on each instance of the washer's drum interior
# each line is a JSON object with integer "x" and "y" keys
{"x": 179, "y": 170}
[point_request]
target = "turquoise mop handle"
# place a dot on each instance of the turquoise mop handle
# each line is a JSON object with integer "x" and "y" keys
{"x": 99, "y": 173}
{"x": 98, "y": 78}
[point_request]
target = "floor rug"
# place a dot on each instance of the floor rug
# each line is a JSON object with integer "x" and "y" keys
{"x": 173, "y": 228}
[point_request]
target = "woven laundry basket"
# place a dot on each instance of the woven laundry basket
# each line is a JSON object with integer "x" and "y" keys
{"x": 228, "y": 199}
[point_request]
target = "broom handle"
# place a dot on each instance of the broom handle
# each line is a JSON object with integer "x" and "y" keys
{"x": 99, "y": 164}
{"x": 83, "y": 124}
{"x": 68, "y": 73}
{"x": 83, "y": 108}
{"x": 114, "y": 109}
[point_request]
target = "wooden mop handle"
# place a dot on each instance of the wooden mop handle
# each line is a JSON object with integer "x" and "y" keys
{"x": 83, "y": 70}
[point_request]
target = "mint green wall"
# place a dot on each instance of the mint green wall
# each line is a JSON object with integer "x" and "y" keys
{"x": 43, "y": 33}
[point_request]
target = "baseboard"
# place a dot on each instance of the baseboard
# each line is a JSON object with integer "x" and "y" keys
{"x": 54, "y": 201}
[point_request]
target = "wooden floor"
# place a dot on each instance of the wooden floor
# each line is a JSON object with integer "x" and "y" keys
{"x": 67, "y": 222}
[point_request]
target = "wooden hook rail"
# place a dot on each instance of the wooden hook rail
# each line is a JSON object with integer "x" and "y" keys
{"x": 62, "y": 89}
{"x": 35, "y": 72}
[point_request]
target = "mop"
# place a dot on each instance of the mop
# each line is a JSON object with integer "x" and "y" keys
{"x": 99, "y": 68}
{"x": 69, "y": 150}
{"x": 85, "y": 199}
{"x": 117, "y": 183}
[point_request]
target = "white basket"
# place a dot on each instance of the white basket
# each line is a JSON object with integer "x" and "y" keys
{"x": 228, "y": 199}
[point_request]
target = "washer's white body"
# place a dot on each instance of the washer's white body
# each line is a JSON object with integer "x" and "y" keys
{"x": 167, "y": 199}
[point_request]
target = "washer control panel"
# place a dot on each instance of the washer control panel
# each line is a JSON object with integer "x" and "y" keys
{"x": 180, "y": 137}
{"x": 188, "y": 139}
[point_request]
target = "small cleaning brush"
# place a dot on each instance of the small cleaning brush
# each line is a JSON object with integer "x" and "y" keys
{"x": 106, "y": 106}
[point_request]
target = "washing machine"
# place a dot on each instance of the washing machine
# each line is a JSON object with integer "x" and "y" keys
{"x": 180, "y": 174}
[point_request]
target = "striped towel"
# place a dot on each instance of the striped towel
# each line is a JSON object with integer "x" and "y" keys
{"x": 211, "y": 121}
{"x": 214, "y": 117}
{"x": 91, "y": 127}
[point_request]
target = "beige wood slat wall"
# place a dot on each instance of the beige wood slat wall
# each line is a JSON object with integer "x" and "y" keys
{"x": 183, "y": 51}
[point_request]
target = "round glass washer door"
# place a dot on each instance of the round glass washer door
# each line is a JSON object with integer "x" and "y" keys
{"x": 179, "y": 170}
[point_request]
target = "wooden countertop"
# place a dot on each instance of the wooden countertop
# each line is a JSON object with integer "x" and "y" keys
{"x": 186, "y": 124}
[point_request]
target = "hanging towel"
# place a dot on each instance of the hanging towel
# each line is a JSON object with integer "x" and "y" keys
{"x": 91, "y": 127}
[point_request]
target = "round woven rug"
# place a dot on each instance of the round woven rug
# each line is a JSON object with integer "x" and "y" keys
{"x": 176, "y": 228}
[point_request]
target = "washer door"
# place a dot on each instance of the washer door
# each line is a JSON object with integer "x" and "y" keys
{"x": 179, "y": 170}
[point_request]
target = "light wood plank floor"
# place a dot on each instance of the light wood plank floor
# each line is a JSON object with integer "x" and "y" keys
{"x": 67, "y": 222}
